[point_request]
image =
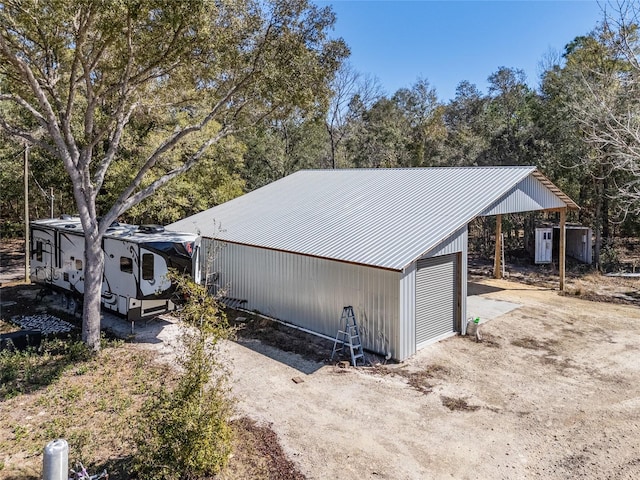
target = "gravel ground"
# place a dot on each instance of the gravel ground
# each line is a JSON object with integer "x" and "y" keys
{"x": 552, "y": 392}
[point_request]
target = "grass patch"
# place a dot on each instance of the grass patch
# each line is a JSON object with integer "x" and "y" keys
{"x": 64, "y": 391}
{"x": 33, "y": 369}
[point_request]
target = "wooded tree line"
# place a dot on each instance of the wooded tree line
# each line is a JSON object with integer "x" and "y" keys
{"x": 579, "y": 126}
{"x": 209, "y": 100}
{"x": 564, "y": 127}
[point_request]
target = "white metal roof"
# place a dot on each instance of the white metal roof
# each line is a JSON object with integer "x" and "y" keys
{"x": 132, "y": 233}
{"x": 381, "y": 217}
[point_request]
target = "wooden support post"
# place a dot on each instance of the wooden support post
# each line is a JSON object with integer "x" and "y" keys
{"x": 497, "y": 267}
{"x": 563, "y": 246}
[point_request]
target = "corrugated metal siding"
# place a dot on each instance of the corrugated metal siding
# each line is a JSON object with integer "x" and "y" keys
{"x": 311, "y": 292}
{"x": 571, "y": 205}
{"x": 457, "y": 243}
{"x": 407, "y": 337}
{"x": 382, "y": 217}
{"x": 579, "y": 243}
{"x": 436, "y": 298}
{"x": 462, "y": 262}
{"x": 528, "y": 195}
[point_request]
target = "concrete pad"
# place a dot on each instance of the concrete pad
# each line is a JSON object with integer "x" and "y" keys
{"x": 160, "y": 329}
{"x": 488, "y": 308}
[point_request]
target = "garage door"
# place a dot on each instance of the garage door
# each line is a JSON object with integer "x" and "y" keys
{"x": 436, "y": 298}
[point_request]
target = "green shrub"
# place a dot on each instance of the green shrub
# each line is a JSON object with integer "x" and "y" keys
{"x": 11, "y": 229}
{"x": 184, "y": 432}
{"x": 609, "y": 259}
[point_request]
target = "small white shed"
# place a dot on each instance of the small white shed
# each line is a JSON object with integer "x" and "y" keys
{"x": 579, "y": 243}
{"x": 390, "y": 242}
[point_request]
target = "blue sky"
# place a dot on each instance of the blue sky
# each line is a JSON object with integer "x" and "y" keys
{"x": 450, "y": 41}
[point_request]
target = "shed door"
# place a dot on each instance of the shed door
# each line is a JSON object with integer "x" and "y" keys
{"x": 544, "y": 245}
{"x": 436, "y": 298}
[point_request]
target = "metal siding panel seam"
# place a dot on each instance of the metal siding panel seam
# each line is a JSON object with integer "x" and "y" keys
{"x": 406, "y": 345}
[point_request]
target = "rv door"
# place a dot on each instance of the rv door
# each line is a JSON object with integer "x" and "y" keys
{"x": 42, "y": 255}
{"x": 153, "y": 273}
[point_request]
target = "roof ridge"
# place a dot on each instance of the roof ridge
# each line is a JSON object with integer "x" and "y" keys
{"x": 443, "y": 167}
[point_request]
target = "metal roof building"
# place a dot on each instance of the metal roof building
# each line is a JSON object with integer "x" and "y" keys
{"x": 390, "y": 242}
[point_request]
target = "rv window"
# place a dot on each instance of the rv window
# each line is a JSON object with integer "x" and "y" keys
{"x": 126, "y": 265}
{"x": 78, "y": 264}
{"x": 147, "y": 266}
{"x": 39, "y": 251}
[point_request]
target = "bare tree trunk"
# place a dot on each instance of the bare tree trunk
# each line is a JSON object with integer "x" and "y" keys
{"x": 94, "y": 266}
{"x": 606, "y": 233}
{"x": 598, "y": 224}
{"x": 333, "y": 153}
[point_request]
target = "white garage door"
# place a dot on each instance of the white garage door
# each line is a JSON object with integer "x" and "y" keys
{"x": 436, "y": 298}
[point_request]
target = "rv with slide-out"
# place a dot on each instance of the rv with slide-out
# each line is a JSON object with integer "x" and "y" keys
{"x": 136, "y": 261}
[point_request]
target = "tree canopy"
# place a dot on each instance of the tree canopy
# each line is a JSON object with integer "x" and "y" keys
{"x": 209, "y": 99}
{"x": 129, "y": 94}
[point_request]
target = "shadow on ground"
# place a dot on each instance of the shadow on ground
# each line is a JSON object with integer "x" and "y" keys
{"x": 474, "y": 288}
{"x": 279, "y": 342}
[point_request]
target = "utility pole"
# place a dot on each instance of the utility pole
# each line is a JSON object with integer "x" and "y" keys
{"x": 51, "y": 201}
{"x": 27, "y": 242}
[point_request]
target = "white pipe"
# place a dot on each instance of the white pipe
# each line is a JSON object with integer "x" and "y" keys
{"x": 55, "y": 461}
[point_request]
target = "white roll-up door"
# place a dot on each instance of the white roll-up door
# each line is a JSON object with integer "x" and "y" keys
{"x": 436, "y": 298}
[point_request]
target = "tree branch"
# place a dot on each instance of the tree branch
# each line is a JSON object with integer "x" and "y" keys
{"x": 125, "y": 202}
{"x": 26, "y": 105}
{"x": 49, "y": 115}
{"x": 114, "y": 144}
{"x": 82, "y": 29}
{"x": 31, "y": 137}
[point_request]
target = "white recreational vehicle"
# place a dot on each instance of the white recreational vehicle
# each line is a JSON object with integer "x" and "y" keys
{"x": 136, "y": 260}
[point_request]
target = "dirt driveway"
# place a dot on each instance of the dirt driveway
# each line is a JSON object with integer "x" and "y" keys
{"x": 552, "y": 392}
